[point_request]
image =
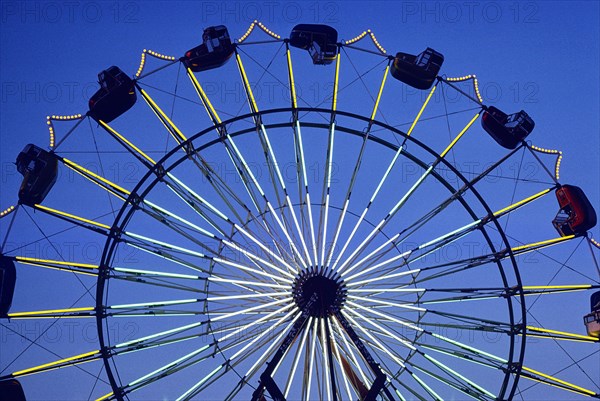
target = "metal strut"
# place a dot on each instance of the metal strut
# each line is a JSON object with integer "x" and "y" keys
{"x": 379, "y": 382}
{"x": 266, "y": 379}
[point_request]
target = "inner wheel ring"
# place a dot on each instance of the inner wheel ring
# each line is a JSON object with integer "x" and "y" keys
{"x": 204, "y": 140}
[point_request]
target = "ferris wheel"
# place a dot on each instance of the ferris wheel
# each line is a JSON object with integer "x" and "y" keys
{"x": 300, "y": 247}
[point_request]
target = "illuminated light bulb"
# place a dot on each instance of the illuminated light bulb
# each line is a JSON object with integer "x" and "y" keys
{"x": 356, "y": 38}
{"x": 268, "y": 31}
{"x": 557, "y": 167}
{"x": 7, "y": 211}
{"x": 245, "y": 35}
{"x": 374, "y": 39}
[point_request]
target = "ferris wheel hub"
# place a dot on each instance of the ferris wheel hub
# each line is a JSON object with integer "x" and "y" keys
{"x": 319, "y": 292}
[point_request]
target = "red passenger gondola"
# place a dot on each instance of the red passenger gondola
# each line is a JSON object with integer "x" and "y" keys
{"x": 592, "y": 320}
{"x": 215, "y": 50}
{"x": 576, "y": 215}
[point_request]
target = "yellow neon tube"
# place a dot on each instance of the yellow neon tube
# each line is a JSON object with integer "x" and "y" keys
{"x": 97, "y": 183}
{"x": 162, "y": 113}
{"x": 557, "y": 287}
{"x": 50, "y": 311}
{"x": 61, "y": 269}
{"x": 122, "y": 138}
{"x": 562, "y": 333}
{"x": 34, "y": 261}
{"x": 421, "y": 111}
{"x": 385, "y": 74}
{"x": 460, "y": 135}
{"x": 564, "y": 383}
{"x": 557, "y": 338}
{"x": 522, "y": 202}
{"x": 71, "y": 216}
{"x": 105, "y": 397}
{"x": 49, "y": 365}
{"x": 535, "y": 379}
{"x": 335, "y": 82}
{"x": 203, "y": 97}
{"x": 81, "y": 169}
{"x": 542, "y": 243}
{"x": 253, "y": 106}
{"x": 292, "y": 83}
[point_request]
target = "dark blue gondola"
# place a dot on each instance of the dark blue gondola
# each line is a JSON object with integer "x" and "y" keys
{"x": 115, "y": 96}
{"x": 320, "y": 41}
{"x": 39, "y": 169}
{"x": 215, "y": 50}
{"x": 507, "y": 129}
{"x": 8, "y": 279}
{"x": 11, "y": 390}
{"x": 418, "y": 71}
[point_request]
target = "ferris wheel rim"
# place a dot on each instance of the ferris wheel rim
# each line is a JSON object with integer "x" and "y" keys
{"x": 154, "y": 176}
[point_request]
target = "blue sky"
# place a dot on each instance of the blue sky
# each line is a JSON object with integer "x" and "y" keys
{"x": 543, "y": 57}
